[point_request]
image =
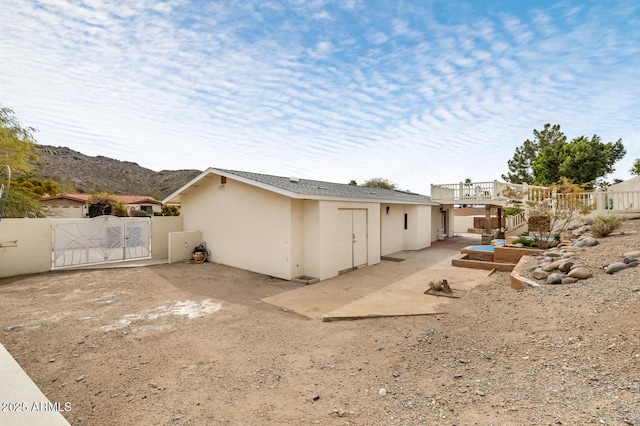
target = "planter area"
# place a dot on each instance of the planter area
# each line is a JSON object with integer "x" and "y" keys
{"x": 501, "y": 258}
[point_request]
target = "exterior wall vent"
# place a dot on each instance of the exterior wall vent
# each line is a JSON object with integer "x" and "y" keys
{"x": 223, "y": 180}
{"x": 294, "y": 179}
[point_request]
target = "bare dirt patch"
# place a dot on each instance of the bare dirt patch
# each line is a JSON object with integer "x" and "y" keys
{"x": 193, "y": 345}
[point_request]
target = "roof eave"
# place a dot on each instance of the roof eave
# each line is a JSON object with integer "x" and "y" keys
{"x": 175, "y": 196}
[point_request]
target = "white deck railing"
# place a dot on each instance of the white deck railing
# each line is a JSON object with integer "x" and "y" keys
{"x": 470, "y": 192}
{"x": 503, "y": 193}
{"x": 516, "y": 220}
{"x": 622, "y": 201}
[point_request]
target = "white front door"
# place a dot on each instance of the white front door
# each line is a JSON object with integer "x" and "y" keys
{"x": 352, "y": 238}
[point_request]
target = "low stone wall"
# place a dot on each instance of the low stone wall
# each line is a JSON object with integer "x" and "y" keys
{"x": 464, "y": 262}
{"x": 512, "y": 254}
{"x": 518, "y": 282}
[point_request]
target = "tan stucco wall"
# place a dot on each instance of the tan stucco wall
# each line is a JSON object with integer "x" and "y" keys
{"x": 181, "y": 245}
{"x": 160, "y": 228}
{"x": 391, "y": 229}
{"x": 243, "y": 226}
{"x": 395, "y": 238}
{"x": 57, "y": 208}
{"x": 297, "y": 238}
{"x": 418, "y": 233}
{"x": 33, "y": 251}
{"x": 463, "y": 223}
{"x": 68, "y": 212}
{"x": 305, "y": 247}
{"x": 470, "y": 211}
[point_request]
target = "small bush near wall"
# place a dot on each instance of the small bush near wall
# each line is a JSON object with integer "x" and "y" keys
{"x": 539, "y": 224}
{"x": 170, "y": 210}
{"x": 139, "y": 213}
{"x": 605, "y": 225}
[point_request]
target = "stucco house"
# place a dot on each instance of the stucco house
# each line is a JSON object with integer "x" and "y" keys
{"x": 77, "y": 205}
{"x": 289, "y": 227}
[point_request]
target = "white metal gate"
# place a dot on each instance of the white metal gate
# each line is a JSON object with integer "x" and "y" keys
{"x": 101, "y": 239}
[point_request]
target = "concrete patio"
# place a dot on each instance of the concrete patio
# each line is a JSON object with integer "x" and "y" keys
{"x": 391, "y": 288}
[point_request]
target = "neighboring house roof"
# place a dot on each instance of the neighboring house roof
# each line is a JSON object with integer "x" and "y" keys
{"x": 308, "y": 189}
{"x": 124, "y": 199}
{"x": 632, "y": 184}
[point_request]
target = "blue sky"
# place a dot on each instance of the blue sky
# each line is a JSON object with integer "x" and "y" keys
{"x": 417, "y": 92}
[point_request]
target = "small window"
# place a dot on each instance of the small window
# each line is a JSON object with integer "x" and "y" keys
{"x": 405, "y": 220}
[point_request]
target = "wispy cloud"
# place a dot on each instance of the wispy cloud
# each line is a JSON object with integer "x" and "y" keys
{"x": 320, "y": 90}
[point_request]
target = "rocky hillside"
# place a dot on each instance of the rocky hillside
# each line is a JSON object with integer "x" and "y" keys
{"x": 95, "y": 174}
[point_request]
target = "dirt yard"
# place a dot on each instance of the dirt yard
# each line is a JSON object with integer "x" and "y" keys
{"x": 193, "y": 345}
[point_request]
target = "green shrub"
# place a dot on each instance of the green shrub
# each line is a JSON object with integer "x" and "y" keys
{"x": 170, "y": 210}
{"x": 605, "y": 225}
{"x": 511, "y": 211}
{"x": 527, "y": 242}
{"x": 139, "y": 213}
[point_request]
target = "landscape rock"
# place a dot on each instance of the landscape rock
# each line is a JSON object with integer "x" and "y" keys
{"x": 616, "y": 267}
{"x": 590, "y": 241}
{"x": 552, "y": 266}
{"x": 635, "y": 253}
{"x": 630, "y": 259}
{"x": 569, "y": 280}
{"x": 555, "y": 278}
{"x": 581, "y": 273}
{"x": 582, "y": 230}
{"x": 566, "y": 266}
{"x": 580, "y": 243}
{"x": 552, "y": 253}
{"x": 539, "y": 274}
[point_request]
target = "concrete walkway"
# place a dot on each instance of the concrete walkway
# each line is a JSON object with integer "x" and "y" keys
{"x": 132, "y": 263}
{"x": 389, "y": 288}
{"x": 23, "y": 404}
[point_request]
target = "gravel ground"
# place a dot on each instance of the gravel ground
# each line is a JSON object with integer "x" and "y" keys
{"x": 193, "y": 345}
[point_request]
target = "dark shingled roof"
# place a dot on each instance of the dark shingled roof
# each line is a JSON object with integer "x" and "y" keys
{"x": 329, "y": 189}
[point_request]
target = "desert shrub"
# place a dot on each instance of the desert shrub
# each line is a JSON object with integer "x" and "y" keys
{"x": 527, "y": 242}
{"x": 139, "y": 213}
{"x": 170, "y": 210}
{"x": 512, "y": 211}
{"x": 106, "y": 204}
{"x": 605, "y": 225}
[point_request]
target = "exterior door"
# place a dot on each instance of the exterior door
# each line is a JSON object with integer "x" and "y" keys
{"x": 352, "y": 239}
{"x": 359, "y": 238}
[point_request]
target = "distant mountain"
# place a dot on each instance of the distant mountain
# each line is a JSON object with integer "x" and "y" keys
{"x": 96, "y": 174}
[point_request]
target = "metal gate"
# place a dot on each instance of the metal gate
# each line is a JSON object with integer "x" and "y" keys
{"x": 101, "y": 239}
